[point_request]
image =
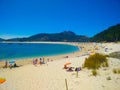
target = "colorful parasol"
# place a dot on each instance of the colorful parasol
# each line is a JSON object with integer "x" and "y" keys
{"x": 2, "y": 80}
{"x": 68, "y": 63}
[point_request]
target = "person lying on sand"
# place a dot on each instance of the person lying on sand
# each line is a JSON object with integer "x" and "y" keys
{"x": 70, "y": 69}
{"x": 15, "y": 65}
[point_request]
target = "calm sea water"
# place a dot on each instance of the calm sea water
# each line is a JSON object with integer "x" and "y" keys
{"x": 29, "y": 50}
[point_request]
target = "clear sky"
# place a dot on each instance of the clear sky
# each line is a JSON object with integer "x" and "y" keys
{"x": 84, "y": 17}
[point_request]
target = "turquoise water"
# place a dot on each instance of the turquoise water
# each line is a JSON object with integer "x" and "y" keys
{"x": 29, "y": 50}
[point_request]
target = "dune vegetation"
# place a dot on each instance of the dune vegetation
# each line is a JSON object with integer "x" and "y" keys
{"x": 96, "y": 61}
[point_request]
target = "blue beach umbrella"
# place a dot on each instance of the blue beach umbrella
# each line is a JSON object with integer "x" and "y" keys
{"x": 12, "y": 62}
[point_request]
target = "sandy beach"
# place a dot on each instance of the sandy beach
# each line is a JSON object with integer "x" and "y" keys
{"x": 51, "y": 76}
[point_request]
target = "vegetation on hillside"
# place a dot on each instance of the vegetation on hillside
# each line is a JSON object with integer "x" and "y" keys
{"x": 112, "y": 34}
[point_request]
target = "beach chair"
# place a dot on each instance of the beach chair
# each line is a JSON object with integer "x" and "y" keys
{"x": 11, "y": 63}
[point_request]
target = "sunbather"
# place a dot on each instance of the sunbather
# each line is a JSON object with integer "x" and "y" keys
{"x": 70, "y": 69}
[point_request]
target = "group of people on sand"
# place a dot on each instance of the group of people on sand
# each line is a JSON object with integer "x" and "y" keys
{"x": 38, "y": 61}
{"x": 70, "y": 69}
{"x": 10, "y": 65}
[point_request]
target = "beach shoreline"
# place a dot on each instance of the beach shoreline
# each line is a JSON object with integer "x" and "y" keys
{"x": 84, "y": 48}
{"x": 28, "y": 60}
{"x": 52, "y": 76}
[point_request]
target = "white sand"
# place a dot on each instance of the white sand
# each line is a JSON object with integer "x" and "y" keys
{"x": 51, "y": 76}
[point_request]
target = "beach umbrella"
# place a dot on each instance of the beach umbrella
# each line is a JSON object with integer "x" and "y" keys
{"x": 12, "y": 62}
{"x": 2, "y": 80}
{"x": 68, "y": 63}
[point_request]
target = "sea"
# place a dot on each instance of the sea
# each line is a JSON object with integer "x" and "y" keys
{"x": 10, "y": 51}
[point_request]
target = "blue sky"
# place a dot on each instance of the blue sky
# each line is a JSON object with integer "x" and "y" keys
{"x": 20, "y": 18}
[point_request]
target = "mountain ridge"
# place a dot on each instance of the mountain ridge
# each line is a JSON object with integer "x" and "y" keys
{"x": 67, "y": 36}
{"x": 111, "y": 34}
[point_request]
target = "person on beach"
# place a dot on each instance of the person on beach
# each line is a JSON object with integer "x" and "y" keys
{"x": 35, "y": 62}
{"x": 40, "y": 62}
{"x": 40, "y": 59}
{"x": 70, "y": 69}
{"x": 15, "y": 65}
{"x": 43, "y": 61}
{"x": 6, "y": 64}
{"x": 10, "y": 66}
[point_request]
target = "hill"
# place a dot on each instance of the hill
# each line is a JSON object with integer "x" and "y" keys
{"x": 111, "y": 34}
{"x": 67, "y": 36}
{"x": 1, "y": 39}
